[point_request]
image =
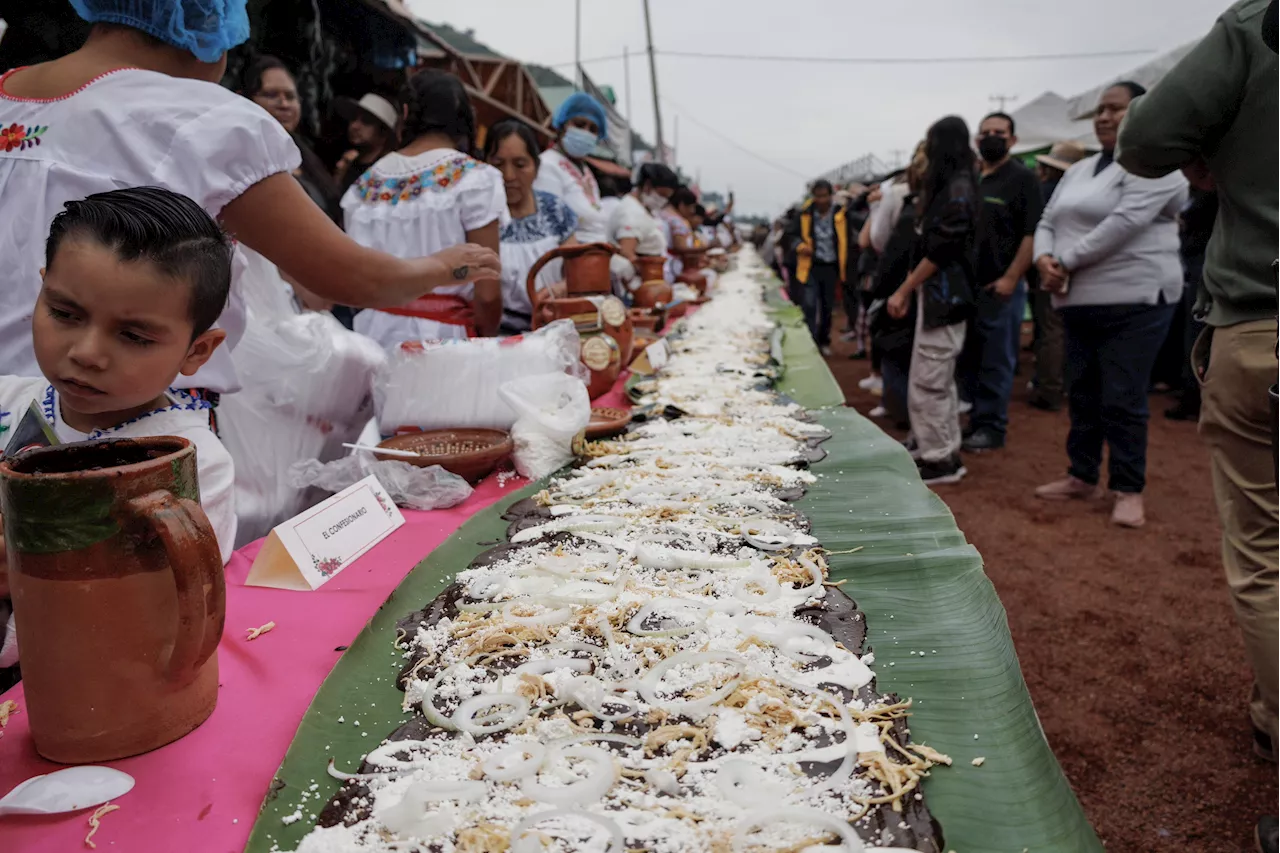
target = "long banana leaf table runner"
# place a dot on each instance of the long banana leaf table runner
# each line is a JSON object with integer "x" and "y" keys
{"x": 934, "y": 621}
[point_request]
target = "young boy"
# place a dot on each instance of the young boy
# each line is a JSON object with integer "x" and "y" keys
{"x": 133, "y": 281}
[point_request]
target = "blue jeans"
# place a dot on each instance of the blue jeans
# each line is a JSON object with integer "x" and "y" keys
{"x": 1111, "y": 350}
{"x": 819, "y": 293}
{"x": 991, "y": 358}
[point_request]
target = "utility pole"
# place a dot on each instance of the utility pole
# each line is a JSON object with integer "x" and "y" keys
{"x": 1001, "y": 100}
{"x": 577, "y": 43}
{"x": 675, "y": 140}
{"x": 653, "y": 82}
{"x": 626, "y": 81}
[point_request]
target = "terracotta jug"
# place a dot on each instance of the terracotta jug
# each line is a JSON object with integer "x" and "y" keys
{"x": 649, "y": 267}
{"x": 602, "y": 315}
{"x": 586, "y": 268}
{"x": 118, "y": 594}
{"x": 652, "y": 294}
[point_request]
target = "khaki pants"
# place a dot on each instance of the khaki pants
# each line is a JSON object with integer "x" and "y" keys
{"x": 1235, "y": 422}
{"x": 931, "y": 390}
{"x": 1050, "y": 347}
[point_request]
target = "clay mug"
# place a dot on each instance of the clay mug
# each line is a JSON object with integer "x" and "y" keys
{"x": 118, "y": 594}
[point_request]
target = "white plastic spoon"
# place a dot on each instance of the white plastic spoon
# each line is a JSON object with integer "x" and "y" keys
{"x": 385, "y": 451}
{"x": 66, "y": 790}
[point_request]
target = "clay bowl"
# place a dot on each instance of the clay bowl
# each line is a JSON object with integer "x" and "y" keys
{"x": 606, "y": 422}
{"x": 469, "y": 453}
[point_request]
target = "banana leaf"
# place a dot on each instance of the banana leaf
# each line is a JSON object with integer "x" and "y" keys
{"x": 936, "y": 627}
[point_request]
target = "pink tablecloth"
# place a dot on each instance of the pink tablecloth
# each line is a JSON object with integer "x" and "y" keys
{"x": 202, "y": 792}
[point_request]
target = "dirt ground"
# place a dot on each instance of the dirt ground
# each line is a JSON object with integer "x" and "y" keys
{"x": 1126, "y": 637}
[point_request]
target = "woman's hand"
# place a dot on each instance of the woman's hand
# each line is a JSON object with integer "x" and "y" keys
{"x": 898, "y": 303}
{"x": 462, "y": 263}
{"x": 1053, "y": 277}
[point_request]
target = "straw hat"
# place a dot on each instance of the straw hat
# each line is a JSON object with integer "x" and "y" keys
{"x": 1062, "y": 155}
{"x": 375, "y": 105}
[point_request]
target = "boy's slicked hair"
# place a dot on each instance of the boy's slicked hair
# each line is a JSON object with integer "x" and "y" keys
{"x": 162, "y": 228}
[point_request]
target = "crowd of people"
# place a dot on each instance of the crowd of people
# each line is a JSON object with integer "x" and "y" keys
{"x": 938, "y": 265}
{"x": 1150, "y": 260}
{"x": 153, "y": 213}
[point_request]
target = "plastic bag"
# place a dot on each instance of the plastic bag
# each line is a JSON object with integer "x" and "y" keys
{"x": 306, "y": 389}
{"x": 454, "y": 384}
{"x": 408, "y": 485}
{"x": 552, "y": 409}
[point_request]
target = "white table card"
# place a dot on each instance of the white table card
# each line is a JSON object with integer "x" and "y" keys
{"x": 313, "y": 546}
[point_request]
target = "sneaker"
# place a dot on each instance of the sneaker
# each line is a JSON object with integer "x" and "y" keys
{"x": 1265, "y": 835}
{"x": 877, "y": 412}
{"x": 1128, "y": 510}
{"x": 949, "y": 470}
{"x": 965, "y": 407}
{"x": 871, "y": 383}
{"x": 1069, "y": 488}
{"x": 825, "y": 350}
{"x": 982, "y": 440}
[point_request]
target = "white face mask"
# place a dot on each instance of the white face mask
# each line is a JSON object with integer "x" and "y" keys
{"x": 652, "y": 201}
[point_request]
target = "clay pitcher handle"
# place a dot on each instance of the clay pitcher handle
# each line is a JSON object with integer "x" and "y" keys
{"x": 530, "y": 281}
{"x": 196, "y": 562}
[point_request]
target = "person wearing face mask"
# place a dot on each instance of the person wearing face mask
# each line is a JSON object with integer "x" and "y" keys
{"x": 1011, "y": 205}
{"x": 634, "y": 227}
{"x": 564, "y": 173}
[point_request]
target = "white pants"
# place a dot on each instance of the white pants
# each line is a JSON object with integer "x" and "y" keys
{"x": 932, "y": 403}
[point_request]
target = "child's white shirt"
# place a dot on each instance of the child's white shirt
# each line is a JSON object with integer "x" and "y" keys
{"x": 187, "y": 417}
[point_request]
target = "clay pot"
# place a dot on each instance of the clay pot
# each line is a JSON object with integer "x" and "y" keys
{"x": 118, "y": 593}
{"x": 652, "y": 293}
{"x": 649, "y": 267}
{"x": 586, "y": 269}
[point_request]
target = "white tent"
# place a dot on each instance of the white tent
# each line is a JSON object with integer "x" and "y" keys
{"x": 1051, "y": 118}
{"x": 1046, "y": 120}
{"x": 1083, "y": 104}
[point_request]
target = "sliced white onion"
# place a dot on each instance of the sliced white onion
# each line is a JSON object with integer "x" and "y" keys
{"x": 409, "y": 817}
{"x": 585, "y": 593}
{"x": 521, "y": 844}
{"x": 517, "y": 709}
{"x": 433, "y": 714}
{"x": 657, "y": 606}
{"x": 849, "y": 842}
{"x": 529, "y": 757}
{"x": 748, "y": 785}
{"x": 552, "y": 616}
{"x": 815, "y": 588}
{"x": 694, "y": 708}
{"x": 385, "y": 755}
{"x": 568, "y": 646}
{"x": 592, "y": 695}
{"x": 625, "y": 740}
{"x": 571, "y": 524}
{"x": 658, "y": 557}
{"x": 333, "y": 771}
{"x": 479, "y": 606}
{"x": 541, "y": 666}
{"x": 767, "y": 539}
{"x": 845, "y": 770}
{"x": 664, "y": 780}
{"x": 769, "y": 586}
{"x": 600, "y": 778}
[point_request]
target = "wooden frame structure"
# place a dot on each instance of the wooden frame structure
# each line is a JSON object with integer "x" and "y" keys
{"x": 499, "y": 87}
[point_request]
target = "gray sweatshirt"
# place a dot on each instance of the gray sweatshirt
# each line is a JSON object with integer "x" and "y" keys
{"x": 1117, "y": 235}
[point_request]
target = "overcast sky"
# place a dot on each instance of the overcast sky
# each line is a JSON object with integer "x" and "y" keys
{"x": 811, "y": 117}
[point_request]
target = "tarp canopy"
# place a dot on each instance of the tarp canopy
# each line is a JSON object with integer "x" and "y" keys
{"x": 1148, "y": 74}
{"x": 1046, "y": 120}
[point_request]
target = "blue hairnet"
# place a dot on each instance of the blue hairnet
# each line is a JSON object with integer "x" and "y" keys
{"x": 205, "y": 28}
{"x": 581, "y": 104}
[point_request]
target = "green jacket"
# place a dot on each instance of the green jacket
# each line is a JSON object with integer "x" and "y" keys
{"x": 1220, "y": 104}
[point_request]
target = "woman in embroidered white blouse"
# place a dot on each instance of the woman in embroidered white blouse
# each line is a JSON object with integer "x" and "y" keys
{"x": 429, "y": 195}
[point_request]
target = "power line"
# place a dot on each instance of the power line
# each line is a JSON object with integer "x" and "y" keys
{"x": 903, "y": 60}
{"x": 731, "y": 142}
{"x": 877, "y": 60}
